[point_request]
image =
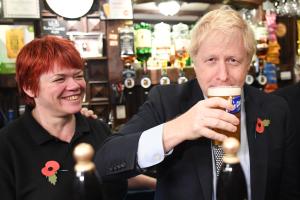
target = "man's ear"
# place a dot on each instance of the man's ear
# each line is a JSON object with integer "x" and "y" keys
{"x": 29, "y": 92}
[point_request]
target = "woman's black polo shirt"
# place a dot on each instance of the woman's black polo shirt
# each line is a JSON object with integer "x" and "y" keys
{"x": 25, "y": 147}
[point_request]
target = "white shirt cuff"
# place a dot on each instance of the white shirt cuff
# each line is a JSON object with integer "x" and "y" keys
{"x": 150, "y": 149}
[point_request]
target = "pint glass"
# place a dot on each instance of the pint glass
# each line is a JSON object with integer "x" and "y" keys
{"x": 232, "y": 94}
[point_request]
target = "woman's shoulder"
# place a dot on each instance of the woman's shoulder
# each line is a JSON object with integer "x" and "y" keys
{"x": 94, "y": 126}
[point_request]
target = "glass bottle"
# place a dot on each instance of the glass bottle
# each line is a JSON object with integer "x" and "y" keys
{"x": 127, "y": 54}
{"x": 261, "y": 37}
{"x": 270, "y": 72}
{"x": 142, "y": 41}
{"x": 181, "y": 41}
{"x": 161, "y": 43}
{"x": 161, "y": 46}
{"x": 126, "y": 40}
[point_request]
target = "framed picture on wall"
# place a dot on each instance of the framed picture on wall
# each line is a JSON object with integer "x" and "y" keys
{"x": 89, "y": 45}
{"x": 116, "y": 9}
{"x": 21, "y": 8}
{"x": 12, "y": 40}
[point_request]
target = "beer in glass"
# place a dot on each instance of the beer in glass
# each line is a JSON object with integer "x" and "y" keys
{"x": 232, "y": 94}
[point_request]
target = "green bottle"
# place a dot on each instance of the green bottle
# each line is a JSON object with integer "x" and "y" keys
{"x": 143, "y": 40}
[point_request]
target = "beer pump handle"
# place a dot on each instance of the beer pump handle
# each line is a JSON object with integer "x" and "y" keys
{"x": 87, "y": 185}
{"x": 231, "y": 183}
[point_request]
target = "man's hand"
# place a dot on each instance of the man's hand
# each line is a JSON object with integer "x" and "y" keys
{"x": 88, "y": 113}
{"x": 200, "y": 121}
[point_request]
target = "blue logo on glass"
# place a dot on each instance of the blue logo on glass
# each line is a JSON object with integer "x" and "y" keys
{"x": 236, "y": 101}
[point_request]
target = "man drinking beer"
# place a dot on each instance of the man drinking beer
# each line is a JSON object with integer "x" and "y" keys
{"x": 175, "y": 127}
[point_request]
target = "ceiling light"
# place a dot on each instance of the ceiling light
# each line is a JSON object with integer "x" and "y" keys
{"x": 169, "y": 8}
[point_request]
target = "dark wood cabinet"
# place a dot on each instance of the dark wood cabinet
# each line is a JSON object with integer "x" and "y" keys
{"x": 98, "y": 87}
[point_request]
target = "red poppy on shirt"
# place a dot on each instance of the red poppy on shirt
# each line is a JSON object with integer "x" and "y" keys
{"x": 50, "y": 168}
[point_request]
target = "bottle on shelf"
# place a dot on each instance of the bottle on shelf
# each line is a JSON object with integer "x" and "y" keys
{"x": 161, "y": 46}
{"x": 87, "y": 185}
{"x": 142, "y": 41}
{"x": 126, "y": 39}
{"x": 271, "y": 74}
{"x": 181, "y": 41}
{"x": 127, "y": 54}
{"x": 231, "y": 183}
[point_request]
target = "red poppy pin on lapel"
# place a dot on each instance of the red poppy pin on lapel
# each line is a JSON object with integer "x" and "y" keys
{"x": 50, "y": 170}
{"x": 261, "y": 124}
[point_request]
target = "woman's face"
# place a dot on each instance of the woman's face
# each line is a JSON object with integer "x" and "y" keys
{"x": 61, "y": 91}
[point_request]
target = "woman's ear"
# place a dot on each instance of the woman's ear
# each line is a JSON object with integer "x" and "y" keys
{"x": 29, "y": 92}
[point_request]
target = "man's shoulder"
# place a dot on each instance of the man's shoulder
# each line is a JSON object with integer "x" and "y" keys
{"x": 289, "y": 92}
{"x": 267, "y": 99}
{"x": 292, "y": 95}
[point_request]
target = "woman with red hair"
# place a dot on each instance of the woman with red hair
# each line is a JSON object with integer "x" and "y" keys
{"x": 36, "y": 149}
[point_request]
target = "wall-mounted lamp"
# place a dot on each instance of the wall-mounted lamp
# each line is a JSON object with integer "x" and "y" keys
{"x": 168, "y": 7}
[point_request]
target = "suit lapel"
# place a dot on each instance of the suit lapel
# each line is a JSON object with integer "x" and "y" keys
{"x": 190, "y": 96}
{"x": 203, "y": 166}
{"x": 258, "y": 144}
{"x": 201, "y": 149}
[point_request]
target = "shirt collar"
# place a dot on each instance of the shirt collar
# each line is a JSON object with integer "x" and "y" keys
{"x": 41, "y": 135}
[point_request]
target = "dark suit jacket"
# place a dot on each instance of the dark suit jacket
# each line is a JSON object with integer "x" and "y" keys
{"x": 292, "y": 95}
{"x": 187, "y": 172}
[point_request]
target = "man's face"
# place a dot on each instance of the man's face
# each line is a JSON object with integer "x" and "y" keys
{"x": 61, "y": 91}
{"x": 221, "y": 60}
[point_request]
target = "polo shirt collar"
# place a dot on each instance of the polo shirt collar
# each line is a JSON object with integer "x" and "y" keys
{"x": 41, "y": 135}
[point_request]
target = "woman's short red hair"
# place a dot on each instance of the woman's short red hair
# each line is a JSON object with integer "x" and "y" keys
{"x": 38, "y": 57}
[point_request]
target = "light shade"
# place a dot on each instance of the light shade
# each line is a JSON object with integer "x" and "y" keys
{"x": 169, "y": 8}
{"x": 70, "y": 9}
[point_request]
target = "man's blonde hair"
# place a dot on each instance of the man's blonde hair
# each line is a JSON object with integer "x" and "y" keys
{"x": 224, "y": 19}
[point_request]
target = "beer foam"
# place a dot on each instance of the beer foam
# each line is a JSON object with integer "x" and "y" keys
{"x": 223, "y": 91}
